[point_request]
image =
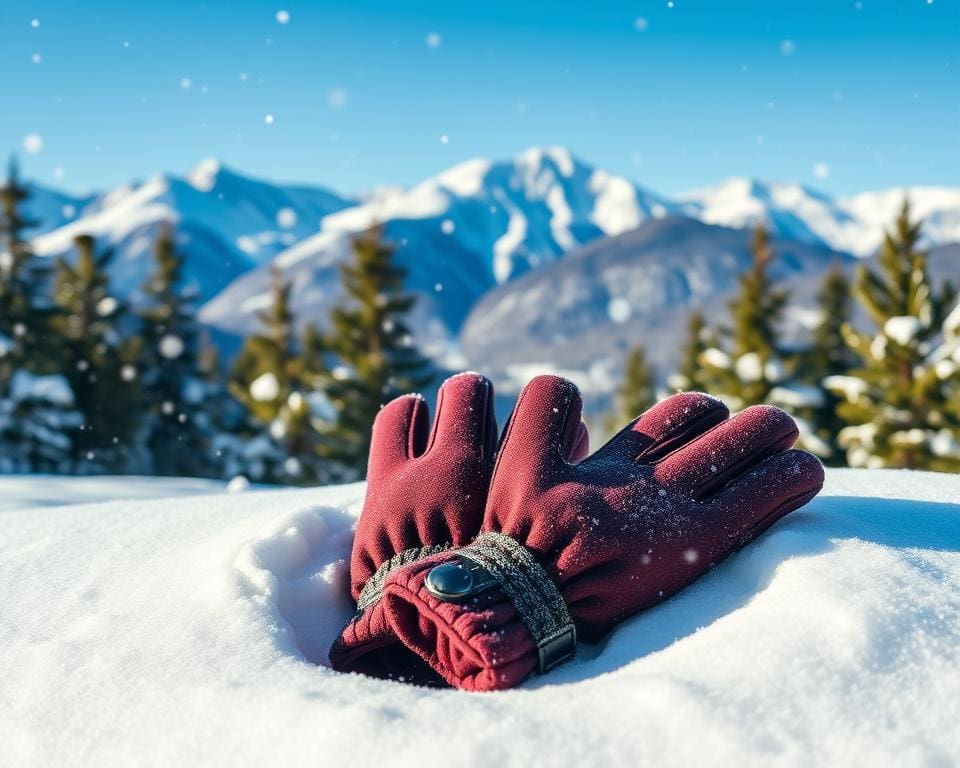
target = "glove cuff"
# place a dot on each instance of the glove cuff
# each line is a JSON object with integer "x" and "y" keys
{"x": 494, "y": 559}
{"x": 484, "y": 616}
{"x": 373, "y": 589}
{"x": 367, "y": 644}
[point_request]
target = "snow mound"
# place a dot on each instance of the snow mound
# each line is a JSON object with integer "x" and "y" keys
{"x": 194, "y": 631}
{"x": 297, "y": 575}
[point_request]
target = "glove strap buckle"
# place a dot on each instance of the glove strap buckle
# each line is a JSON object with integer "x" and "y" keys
{"x": 494, "y": 559}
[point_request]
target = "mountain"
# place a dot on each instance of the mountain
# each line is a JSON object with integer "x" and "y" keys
{"x": 50, "y": 209}
{"x": 472, "y": 227}
{"x": 854, "y": 224}
{"x": 226, "y": 223}
{"x": 579, "y": 315}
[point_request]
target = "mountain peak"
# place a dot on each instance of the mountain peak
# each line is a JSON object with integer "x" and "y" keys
{"x": 203, "y": 176}
{"x": 559, "y": 157}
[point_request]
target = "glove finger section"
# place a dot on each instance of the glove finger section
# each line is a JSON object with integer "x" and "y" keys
{"x": 771, "y": 490}
{"x": 465, "y": 414}
{"x": 666, "y": 427}
{"x": 399, "y": 432}
{"x": 545, "y": 426}
{"x": 728, "y": 450}
{"x": 578, "y": 446}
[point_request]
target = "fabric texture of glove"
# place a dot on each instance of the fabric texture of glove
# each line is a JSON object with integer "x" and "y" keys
{"x": 426, "y": 491}
{"x": 671, "y": 495}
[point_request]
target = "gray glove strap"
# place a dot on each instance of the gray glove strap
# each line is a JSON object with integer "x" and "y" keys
{"x": 373, "y": 589}
{"x": 494, "y": 559}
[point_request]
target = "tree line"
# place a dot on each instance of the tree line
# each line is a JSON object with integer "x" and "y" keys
{"x": 886, "y": 396}
{"x": 91, "y": 384}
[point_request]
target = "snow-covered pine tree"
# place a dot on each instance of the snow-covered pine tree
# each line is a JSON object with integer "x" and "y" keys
{"x": 98, "y": 363}
{"x": 177, "y": 393}
{"x": 828, "y": 355}
{"x": 748, "y": 372}
{"x": 756, "y": 369}
{"x": 897, "y": 407}
{"x": 268, "y": 379}
{"x": 946, "y": 366}
{"x": 372, "y": 347}
{"x": 690, "y": 376}
{"x": 36, "y": 406}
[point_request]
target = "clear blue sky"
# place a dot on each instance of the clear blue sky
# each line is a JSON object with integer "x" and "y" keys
{"x": 674, "y": 94}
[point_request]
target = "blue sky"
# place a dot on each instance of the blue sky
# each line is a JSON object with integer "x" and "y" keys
{"x": 841, "y": 95}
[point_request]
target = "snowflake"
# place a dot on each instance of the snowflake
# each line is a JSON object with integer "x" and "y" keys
{"x": 32, "y": 143}
{"x": 286, "y": 218}
{"x": 337, "y": 97}
{"x": 171, "y": 347}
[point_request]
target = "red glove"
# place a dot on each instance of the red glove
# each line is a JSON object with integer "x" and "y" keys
{"x": 425, "y": 493}
{"x": 571, "y": 550}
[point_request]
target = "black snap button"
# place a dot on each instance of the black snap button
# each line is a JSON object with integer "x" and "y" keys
{"x": 449, "y": 581}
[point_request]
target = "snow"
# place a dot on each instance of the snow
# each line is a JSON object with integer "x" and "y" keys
{"x": 619, "y": 310}
{"x": 951, "y": 325}
{"x": 717, "y": 358}
{"x": 796, "y": 396}
{"x": 143, "y": 632}
{"x": 855, "y": 224}
{"x": 265, "y": 387}
{"x": 903, "y": 329}
{"x": 53, "y": 389}
{"x": 171, "y": 346}
{"x": 33, "y": 143}
{"x": 749, "y": 367}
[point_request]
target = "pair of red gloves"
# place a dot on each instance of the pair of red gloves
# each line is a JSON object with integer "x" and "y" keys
{"x": 478, "y": 566}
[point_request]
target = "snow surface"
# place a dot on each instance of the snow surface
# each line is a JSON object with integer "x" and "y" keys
{"x": 194, "y": 633}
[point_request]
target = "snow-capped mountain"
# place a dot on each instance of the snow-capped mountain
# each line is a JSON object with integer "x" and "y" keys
{"x": 474, "y": 226}
{"x": 582, "y": 313}
{"x": 49, "y": 209}
{"x": 461, "y": 233}
{"x": 227, "y": 223}
{"x": 855, "y": 224}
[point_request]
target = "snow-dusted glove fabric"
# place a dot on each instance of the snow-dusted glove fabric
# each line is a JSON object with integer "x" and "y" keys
{"x": 672, "y": 494}
{"x": 425, "y": 492}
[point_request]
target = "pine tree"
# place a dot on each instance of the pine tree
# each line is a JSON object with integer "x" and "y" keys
{"x": 372, "y": 346}
{"x": 691, "y": 376}
{"x": 896, "y": 406}
{"x": 829, "y": 355}
{"x": 268, "y": 379}
{"x": 637, "y": 392}
{"x": 36, "y": 407}
{"x": 98, "y": 362}
{"x": 177, "y": 391}
{"x": 747, "y": 374}
{"x": 24, "y": 280}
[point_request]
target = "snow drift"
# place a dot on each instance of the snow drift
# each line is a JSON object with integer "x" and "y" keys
{"x": 193, "y": 630}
